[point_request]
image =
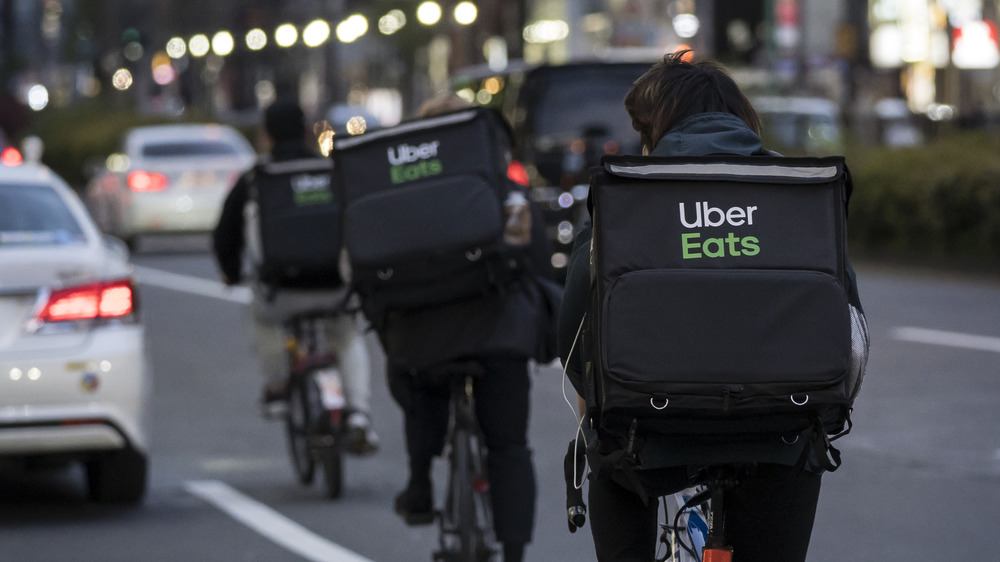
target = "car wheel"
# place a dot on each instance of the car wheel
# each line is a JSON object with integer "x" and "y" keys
{"x": 117, "y": 477}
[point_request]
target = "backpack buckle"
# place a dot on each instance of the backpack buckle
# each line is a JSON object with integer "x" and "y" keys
{"x": 652, "y": 402}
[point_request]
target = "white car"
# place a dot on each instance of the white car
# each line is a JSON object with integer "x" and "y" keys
{"x": 168, "y": 179}
{"x": 73, "y": 366}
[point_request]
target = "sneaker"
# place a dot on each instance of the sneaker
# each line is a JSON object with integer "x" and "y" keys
{"x": 414, "y": 505}
{"x": 361, "y": 437}
{"x": 274, "y": 403}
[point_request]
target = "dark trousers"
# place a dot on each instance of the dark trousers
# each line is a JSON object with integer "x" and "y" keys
{"x": 768, "y": 518}
{"x": 501, "y": 398}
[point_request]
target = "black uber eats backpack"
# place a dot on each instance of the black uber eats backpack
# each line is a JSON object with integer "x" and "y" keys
{"x": 298, "y": 216}
{"x": 720, "y": 311}
{"x": 423, "y": 212}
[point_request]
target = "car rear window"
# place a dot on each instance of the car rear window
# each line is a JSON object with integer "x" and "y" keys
{"x": 35, "y": 214}
{"x": 575, "y": 102}
{"x": 185, "y": 149}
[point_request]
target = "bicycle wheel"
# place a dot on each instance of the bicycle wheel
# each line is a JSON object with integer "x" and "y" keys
{"x": 298, "y": 424}
{"x": 485, "y": 543}
{"x": 332, "y": 458}
{"x": 455, "y": 521}
{"x": 466, "y": 521}
{"x": 464, "y": 502}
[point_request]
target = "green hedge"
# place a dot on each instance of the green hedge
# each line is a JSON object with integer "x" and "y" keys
{"x": 939, "y": 201}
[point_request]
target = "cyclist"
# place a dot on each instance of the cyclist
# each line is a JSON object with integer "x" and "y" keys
{"x": 684, "y": 108}
{"x": 501, "y": 396}
{"x": 284, "y": 125}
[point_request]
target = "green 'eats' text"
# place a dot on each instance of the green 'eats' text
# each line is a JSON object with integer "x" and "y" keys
{"x": 732, "y": 245}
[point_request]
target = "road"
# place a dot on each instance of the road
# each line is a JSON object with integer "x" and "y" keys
{"x": 920, "y": 479}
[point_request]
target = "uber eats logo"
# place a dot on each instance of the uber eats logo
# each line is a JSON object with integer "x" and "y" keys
{"x": 410, "y": 163}
{"x": 703, "y": 215}
{"x": 311, "y": 189}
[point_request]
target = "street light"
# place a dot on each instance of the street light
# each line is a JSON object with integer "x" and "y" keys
{"x": 352, "y": 28}
{"x": 465, "y": 13}
{"x": 176, "y": 48}
{"x": 429, "y": 13}
{"x": 222, "y": 43}
{"x": 256, "y": 39}
{"x": 546, "y": 31}
{"x": 121, "y": 79}
{"x": 316, "y": 33}
{"x": 286, "y": 35}
{"x": 199, "y": 45}
{"x": 392, "y": 22}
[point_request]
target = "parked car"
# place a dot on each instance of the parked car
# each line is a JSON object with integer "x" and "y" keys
{"x": 564, "y": 118}
{"x": 73, "y": 368}
{"x": 168, "y": 179}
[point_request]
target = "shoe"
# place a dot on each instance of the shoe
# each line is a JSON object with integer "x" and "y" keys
{"x": 361, "y": 437}
{"x": 274, "y": 403}
{"x": 415, "y": 506}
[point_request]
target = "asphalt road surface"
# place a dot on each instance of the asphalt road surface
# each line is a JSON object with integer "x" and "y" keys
{"x": 920, "y": 479}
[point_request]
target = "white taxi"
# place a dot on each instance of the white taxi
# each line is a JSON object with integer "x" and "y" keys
{"x": 73, "y": 367}
{"x": 168, "y": 179}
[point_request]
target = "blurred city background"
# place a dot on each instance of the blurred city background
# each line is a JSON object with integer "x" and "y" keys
{"x": 903, "y": 84}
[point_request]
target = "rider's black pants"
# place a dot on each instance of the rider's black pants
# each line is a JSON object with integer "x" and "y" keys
{"x": 502, "y": 398}
{"x": 768, "y": 518}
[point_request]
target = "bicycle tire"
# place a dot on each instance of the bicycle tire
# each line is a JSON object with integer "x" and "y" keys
{"x": 465, "y": 502}
{"x": 298, "y": 423}
{"x": 482, "y": 508}
{"x": 333, "y": 470}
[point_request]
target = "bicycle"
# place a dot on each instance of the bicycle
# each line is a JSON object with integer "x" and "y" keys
{"x": 317, "y": 407}
{"x": 693, "y": 528}
{"x": 465, "y": 521}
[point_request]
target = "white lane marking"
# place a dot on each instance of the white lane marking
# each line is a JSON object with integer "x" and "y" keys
{"x": 271, "y": 524}
{"x": 951, "y": 339}
{"x": 192, "y": 284}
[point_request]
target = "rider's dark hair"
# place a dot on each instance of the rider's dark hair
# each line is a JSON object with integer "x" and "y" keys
{"x": 676, "y": 88}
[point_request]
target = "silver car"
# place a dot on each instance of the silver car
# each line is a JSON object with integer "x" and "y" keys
{"x": 73, "y": 367}
{"x": 168, "y": 179}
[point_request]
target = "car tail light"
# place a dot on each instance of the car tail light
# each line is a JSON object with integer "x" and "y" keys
{"x": 146, "y": 181}
{"x": 517, "y": 173}
{"x": 10, "y": 156}
{"x": 109, "y": 299}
